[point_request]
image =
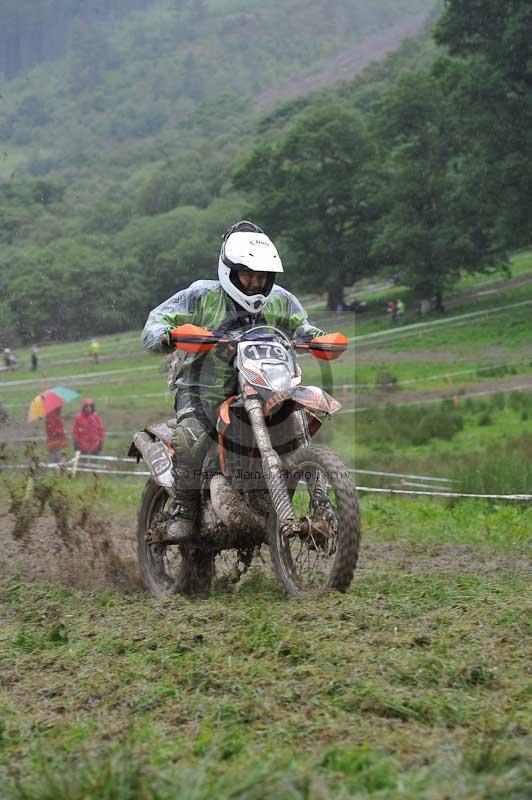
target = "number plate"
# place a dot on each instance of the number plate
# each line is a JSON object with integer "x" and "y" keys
{"x": 260, "y": 352}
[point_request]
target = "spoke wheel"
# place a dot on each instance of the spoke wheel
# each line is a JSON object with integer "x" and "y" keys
{"x": 182, "y": 569}
{"x": 322, "y": 554}
{"x": 168, "y": 568}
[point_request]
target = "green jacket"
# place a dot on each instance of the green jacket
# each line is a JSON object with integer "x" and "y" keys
{"x": 206, "y": 304}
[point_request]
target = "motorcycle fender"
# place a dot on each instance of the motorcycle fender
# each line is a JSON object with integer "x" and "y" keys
{"x": 317, "y": 399}
{"x": 157, "y": 457}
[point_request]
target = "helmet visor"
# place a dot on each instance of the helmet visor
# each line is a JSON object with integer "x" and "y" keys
{"x": 252, "y": 283}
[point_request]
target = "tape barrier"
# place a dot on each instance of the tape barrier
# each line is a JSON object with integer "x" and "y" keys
{"x": 88, "y": 457}
{"x": 108, "y": 471}
{"x": 447, "y": 494}
{"x": 87, "y": 375}
{"x": 129, "y": 460}
{"x": 68, "y": 467}
{"x": 401, "y": 475}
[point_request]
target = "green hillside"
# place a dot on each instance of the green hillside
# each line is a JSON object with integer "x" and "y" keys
{"x": 117, "y": 158}
{"x": 149, "y": 85}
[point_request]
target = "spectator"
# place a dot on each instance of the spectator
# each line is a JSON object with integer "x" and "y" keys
{"x": 438, "y": 303}
{"x": 400, "y": 307}
{"x": 88, "y": 431}
{"x": 56, "y": 441}
{"x": 424, "y": 307}
{"x": 392, "y": 309}
{"x": 34, "y": 359}
{"x": 10, "y": 359}
{"x": 94, "y": 350}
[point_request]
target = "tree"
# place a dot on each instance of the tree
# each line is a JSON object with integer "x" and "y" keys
{"x": 434, "y": 227}
{"x": 312, "y": 188}
{"x": 498, "y": 30}
{"x": 490, "y": 80}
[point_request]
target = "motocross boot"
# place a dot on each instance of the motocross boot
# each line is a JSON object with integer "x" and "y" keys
{"x": 185, "y": 503}
{"x": 183, "y": 516}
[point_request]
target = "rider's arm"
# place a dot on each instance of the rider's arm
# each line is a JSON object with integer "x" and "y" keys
{"x": 175, "y": 311}
{"x": 297, "y": 322}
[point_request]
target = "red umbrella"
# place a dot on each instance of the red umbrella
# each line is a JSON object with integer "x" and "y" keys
{"x": 49, "y": 400}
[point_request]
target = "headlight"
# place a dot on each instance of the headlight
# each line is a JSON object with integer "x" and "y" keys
{"x": 278, "y": 376}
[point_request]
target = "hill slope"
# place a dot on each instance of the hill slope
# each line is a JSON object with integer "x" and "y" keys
{"x": 154, "y": 81}
{"x": 117, "y": 157}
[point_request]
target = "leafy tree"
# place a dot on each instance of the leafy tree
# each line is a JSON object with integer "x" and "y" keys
{"x": 312, "y": 188}
{"x": 490, "y": 79}
{"x": 433, "y": 228}
{"x": 498, "y": 30}
{"x": 106, "y": 141}
{"x": 91, "y": 55}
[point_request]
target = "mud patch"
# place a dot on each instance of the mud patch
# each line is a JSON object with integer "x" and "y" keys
{"x": 432, "y": 557}
{"x": 46, "y": 534}
{"x": 96, "y": 556}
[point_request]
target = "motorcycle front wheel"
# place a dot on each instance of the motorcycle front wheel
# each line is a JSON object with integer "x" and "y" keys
{"x": 322, "y": 554}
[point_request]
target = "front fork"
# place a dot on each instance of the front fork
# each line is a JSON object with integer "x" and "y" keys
{"x": 272, "y": 466}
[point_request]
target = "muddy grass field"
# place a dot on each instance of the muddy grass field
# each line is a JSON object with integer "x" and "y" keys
{"x": 414, "y": 684}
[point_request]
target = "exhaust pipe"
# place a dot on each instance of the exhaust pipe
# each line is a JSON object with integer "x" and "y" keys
{"x": 157, "y": 459}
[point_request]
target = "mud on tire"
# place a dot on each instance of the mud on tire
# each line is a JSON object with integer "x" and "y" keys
{"x": 169, "y": 569}
{"x": 336, "y": 570}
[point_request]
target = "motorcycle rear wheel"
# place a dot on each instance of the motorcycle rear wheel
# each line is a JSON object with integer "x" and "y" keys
{"x": 169, "y": 569}
{"x": 325, "y": 557}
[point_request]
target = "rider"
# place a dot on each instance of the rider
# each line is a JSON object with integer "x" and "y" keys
{"x": 245, "y": 295}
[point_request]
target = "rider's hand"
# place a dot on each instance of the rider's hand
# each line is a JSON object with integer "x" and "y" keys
{"x": 167, "y": 338}
{"x": 226, "y": 349}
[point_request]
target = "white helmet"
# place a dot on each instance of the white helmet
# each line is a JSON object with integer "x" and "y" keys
{"x": 245, "y": 247}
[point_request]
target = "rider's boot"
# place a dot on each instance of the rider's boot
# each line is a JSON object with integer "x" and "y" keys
{"x": 183, "y": 516}
{"x": 185, "y": 502}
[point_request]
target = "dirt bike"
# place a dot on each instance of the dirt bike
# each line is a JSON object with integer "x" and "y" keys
{"x": 265, "y": 487}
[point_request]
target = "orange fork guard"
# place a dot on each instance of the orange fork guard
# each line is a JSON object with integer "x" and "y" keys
{"x": 223, "y": 416}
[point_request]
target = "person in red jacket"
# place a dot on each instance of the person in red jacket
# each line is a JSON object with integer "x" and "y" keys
{"x": 88, "y": 431}
{"x": 56, "y": 440}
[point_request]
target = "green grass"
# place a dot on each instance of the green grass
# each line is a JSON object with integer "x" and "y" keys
{"x": 420, "y": 375}
{"x": 413, "y": 685}
{"x": 407, "y": 682}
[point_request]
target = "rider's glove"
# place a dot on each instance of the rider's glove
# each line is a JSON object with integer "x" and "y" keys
{"x": 225, "y": 350}
{"x": 167, "y": 339}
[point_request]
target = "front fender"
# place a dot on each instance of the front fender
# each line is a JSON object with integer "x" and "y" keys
{"x": 316, "y": 399}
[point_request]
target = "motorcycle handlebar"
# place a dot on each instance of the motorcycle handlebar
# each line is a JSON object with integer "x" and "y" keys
{"x": 192, "y": 338}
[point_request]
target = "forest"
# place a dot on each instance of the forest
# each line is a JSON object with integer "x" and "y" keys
{"x": 33, "y": 31}
{"x": 133, "y": 142}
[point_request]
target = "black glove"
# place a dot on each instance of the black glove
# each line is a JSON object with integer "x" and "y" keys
{"x": 226, "y": 350}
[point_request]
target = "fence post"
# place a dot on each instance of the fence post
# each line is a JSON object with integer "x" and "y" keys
{"x": 75, "y": 462}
